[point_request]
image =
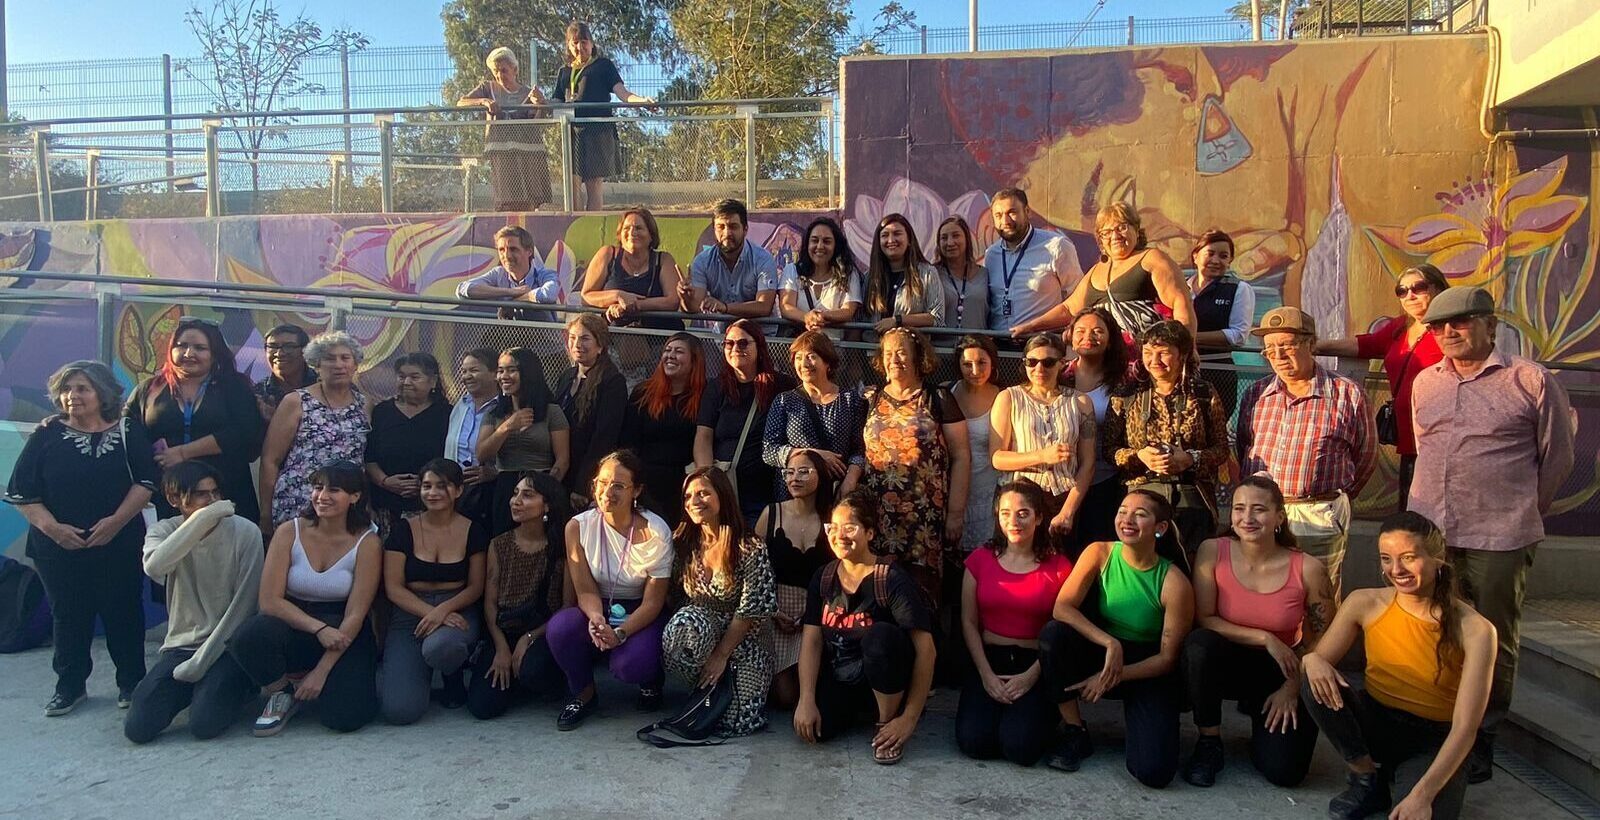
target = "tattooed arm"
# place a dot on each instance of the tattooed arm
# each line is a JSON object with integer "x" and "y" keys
{"x": 1320, "y": 606}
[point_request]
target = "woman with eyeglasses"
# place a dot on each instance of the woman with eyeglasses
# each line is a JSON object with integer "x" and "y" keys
{"x": 818, "y": 415}
{"x": 733, "y": 416}
{"x": 80, "y": 482}
{"x": 868, "y": 640}
{"x": 1170, "y": 436}
{"x": 1100, "y": 371}
{"x": 728, "y": 596}
{"x": 200, "y": 407}
{"x": 593, "y": 395}
{"x": 903, "y": 290}
{"x": 659, "y": 423}
{"x": 620, "y": 557}
{"x": 408, "y": 431}
{"x": 797, "y": 548}
{"x": 324, "y": 423}
{"x": 916, "y": 459}
{"x": 525, "y": 430}
{"x": 1045, "y": 431}
{"x": 1406, "y": 349}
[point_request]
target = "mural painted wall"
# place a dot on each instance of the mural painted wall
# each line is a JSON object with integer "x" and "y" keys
{"x": 1333, "y": 164}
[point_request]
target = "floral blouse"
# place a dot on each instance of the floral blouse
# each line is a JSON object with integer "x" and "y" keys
{"x": 1190, "y": 418}
{"x": 751, "y": 592}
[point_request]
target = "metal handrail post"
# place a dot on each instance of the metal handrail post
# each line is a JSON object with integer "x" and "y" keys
{"x": 749, "y": 114}
{"x": 468, "y": 164}
{"x": 41, "y": 175}
{"x": 105, "y": 308}
{"x": 336, "y": 184}
{"x": 565, "y": 117}
{"x": 213, "y": 169}
{"x": 91, "y": 187}
{"x": 385, "y": 163}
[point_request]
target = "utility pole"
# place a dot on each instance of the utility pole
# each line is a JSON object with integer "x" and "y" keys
{"x": 5, "y": 74}
{"x": 1255, "y": 20}
{"x": 972, "y": 24}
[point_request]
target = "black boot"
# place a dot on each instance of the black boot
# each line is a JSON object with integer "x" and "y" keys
{"x": 1366, "y": 795}
{"x": 1205, "y": 762}
{"x": 1074, "y": 747}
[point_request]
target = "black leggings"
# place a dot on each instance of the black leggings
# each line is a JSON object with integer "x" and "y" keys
{"x": 1019, "y": 731}
{"x": 1215, "y": 669}
{"x": 213, "y": 701}
{"x": 1150, "y": 706}
{"x": 1402, "y": 744}
{"x": 887, "y": 657}
{"x": 536, "y": 677}
{"x": 267, "y": 649}
{"x": 105, "y": 582}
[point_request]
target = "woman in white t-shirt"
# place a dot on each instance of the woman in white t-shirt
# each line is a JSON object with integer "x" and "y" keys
{"x": 821, "y": 289}
{"x": 620, "y": 557}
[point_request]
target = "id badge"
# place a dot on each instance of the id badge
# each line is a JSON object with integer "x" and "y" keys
{"x": 1007, "y": 309}
{"x": 616, "y": 615}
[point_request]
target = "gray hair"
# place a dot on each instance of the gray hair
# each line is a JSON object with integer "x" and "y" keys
{"x": 100, "y": 378}
{"x": 323, "y": 343}
{"x": 501, "y": 55}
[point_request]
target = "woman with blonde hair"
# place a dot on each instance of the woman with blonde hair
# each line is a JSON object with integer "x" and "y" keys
{"x": 519, "y": 170}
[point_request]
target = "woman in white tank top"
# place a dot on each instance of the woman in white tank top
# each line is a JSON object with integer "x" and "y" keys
{"x": 317, "y": 585}
{"x": 1045, "y": 432}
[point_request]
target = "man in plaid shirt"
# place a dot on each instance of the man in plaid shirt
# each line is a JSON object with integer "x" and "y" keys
{"x": 1309, "y": 430}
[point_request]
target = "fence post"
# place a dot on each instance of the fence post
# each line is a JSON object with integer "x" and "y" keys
{"x": 105, "y": 308}
{"x": 468, "y": 165}
{"x": 344, "y": 87}
{"x": 41, "y": 174}
{"x": 1361, "y": 17}
{"x": 924, "y": 39}
{"x": 213, "y": 169}
{"x": 385, "y": 162}
{"x": 1130, "y": 29}
{"x": 533, "y": 62}
{"x": 972, "y": 25}
{"x": 832, "y": 133}
{"x": 339, "y": 308}
{"x": 91, "y": 176}
{"x": 336, "y": 183}
{"x": 749, "y": 114}
{"x": 564, "y": 118}
{"x": 1408, "y": 16}
{"x": 166, "y": 108}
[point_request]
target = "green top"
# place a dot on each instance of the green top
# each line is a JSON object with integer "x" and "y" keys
{"x": 1130, "y": 599}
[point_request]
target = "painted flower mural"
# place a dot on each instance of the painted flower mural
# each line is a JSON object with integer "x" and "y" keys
{"x": 923, "y": 208}
{"x": 1483, "y": 225}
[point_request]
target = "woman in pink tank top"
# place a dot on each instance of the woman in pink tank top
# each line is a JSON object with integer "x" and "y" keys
{"x": 1260, "y": 603}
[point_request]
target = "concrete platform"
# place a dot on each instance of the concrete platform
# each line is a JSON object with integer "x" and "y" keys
{"x": 80, "y": 766}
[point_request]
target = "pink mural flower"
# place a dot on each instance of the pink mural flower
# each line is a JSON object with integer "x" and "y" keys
{"x": 924, "y": 209}
{"x": 1482, "y": 226}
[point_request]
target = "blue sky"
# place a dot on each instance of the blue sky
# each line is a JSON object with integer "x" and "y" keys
{"x": 49, "y": 30}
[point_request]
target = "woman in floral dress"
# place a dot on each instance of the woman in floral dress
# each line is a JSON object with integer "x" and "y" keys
{"x": 918, "y": 462}
{"x": 728, "y": 595}
{"x": 326, "y": 422}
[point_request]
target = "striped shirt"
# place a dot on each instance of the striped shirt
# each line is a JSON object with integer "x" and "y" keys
{"x": 1313, "y": 445}
{"x": 1036, "y": 425}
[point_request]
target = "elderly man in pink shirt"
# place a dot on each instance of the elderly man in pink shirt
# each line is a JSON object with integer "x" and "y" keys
{"x": 1494, "y": 443}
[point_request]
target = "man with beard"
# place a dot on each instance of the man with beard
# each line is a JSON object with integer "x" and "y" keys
{"x": 735, "y": 276}
{"x": 1031, "y": 270}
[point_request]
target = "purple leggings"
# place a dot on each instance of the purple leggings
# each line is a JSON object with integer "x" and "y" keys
{"x": 636, "y": 661}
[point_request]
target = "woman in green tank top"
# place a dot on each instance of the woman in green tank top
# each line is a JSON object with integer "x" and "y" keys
{"x": 1119, "y": 625}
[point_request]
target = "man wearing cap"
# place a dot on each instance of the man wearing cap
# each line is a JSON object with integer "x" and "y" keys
{"x": 1494, "y": 443}
{"x": 1310, "y": 431}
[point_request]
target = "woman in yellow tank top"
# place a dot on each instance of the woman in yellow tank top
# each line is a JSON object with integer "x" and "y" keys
{"x": 1430, "y": 659}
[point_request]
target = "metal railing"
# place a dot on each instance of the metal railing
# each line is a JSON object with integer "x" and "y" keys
{"x": 1358, "y": 18}
{"x": 673, "y": 155}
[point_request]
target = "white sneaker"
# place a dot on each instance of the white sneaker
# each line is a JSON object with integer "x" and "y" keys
{"x": 280, "y": 707}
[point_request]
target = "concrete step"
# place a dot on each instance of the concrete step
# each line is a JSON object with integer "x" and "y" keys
{"x": 1563, "y": 567}
{"x": 1555, "y": 715}
{"x": 1560, "y": 651}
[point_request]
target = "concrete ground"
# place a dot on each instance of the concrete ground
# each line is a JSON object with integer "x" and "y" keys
{"x": 80, "y": 766}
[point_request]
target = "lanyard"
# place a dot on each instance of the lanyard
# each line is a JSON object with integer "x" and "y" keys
{"x": 1010, "y": 273}
{"x": 961, "y": 303}
{"x": 188, "y": 408}
{"x": 622, "y": 561}
{"x": 573, "y": 77}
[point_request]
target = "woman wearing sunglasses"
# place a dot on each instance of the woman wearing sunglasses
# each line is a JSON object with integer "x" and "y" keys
{"x": 1406, "y": 349}
{"x": 1045, "y": 431}
{"x": 733, "y": 415}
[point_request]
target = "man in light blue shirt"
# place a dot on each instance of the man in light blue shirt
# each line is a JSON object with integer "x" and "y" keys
{"x": 510, "y": 281}
{"x": 1030, "y": 270}
{"x": 734, "y": 276}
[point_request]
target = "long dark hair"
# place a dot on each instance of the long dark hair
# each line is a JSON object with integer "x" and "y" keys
{"x": 880, "y": 301}
{"x": 532, "y": 391}
{"x": 1043, "y": 544}
{"x": 826, "y": 495}
{"x": 693, "y": 538}
{"x": 844, "y": 261}
{"x": 223, "y": 365}
{"x": 1171, "y": 546}
{"x": 583, "y": 403}
{"x": 347, "y": 476}
{"x": 1446, "y": 596}
{"x": 766, "y": 380}
{"x": 1115, "y": 363}
{"x": 558, "y": 511}
{"x": 1283, "y": 536}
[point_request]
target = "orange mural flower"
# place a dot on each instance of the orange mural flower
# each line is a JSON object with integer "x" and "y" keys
{"x": 1482, "y": 226}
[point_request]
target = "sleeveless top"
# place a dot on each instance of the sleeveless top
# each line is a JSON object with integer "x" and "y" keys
{"x": 979, "y": 515}
{"x": 646, "y": 285}
{"x": 1130, "y": 599}
{"x": 328, "y": 586}
{"x": 1280, "y": 612}
{"x": 792, "y": 566}
{"x": 1402, "y": 661}
{"x": 1035, "y": 425}
{"x": 1131, "y": 297}
{"x": 325, "y": 434}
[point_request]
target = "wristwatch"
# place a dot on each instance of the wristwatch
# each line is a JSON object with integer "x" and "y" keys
{"x": 622, "y": 635}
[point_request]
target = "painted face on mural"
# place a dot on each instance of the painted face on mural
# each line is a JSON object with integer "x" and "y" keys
{"x": 1010, "y": 219}
{"x": 513, "y": 257}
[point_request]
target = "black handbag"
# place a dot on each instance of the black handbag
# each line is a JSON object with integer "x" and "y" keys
{"x": 1387, "y": 421}
{"x": 696, "y": 723}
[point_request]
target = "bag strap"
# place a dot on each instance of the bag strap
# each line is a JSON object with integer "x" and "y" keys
{"x": 652, "y": 735}
{"x": 744, "y": 434}
{"x": 880, "y": 583}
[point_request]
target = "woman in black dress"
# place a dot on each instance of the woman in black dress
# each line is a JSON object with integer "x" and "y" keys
{"x": 81, "y": 480}
{"x": 592, "y": 395}
{"x": 200, "y": 407}
{"x": 659, "y": 423}
{"x": 589, "y": 77}
{"x": 734, "y": 414}
{"x": 407, "y": 432}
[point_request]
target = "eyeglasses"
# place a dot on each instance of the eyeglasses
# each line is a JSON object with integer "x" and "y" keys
{"x": 284, "y": 345}
{"x": 1274, "y": 351}
{"x": 847, "y": 530}
{"x": 1455, "y": 322}
{"x": 611, "y": 486}
{"x": 736, "y": 344}
{"x": 1047, "y": 362}
{"x": 798, "y": 472}
{"x": 1418, "y": 288}
{"x": 1114, "y": 230}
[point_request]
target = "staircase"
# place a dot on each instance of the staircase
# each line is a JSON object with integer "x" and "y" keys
{"x": 1555, "y": 713}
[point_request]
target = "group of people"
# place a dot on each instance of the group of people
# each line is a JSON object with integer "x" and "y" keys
{"x": 834, "y": 547}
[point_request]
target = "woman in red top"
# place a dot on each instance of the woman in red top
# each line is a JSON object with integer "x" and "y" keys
{"x": 1260, "y": 604}
{"x": 1007, "y": 595}
{"x": 1406, "y": 349}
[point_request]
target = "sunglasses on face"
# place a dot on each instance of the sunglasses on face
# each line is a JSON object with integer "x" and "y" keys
{"x": 1420, "y": 288}
{"x": 736, "y": 344}
{"x": 1459, "y": 323}
{"x": 1046, "y": 362}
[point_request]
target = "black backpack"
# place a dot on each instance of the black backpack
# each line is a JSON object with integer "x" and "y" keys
{"x": 24, "y": 610}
